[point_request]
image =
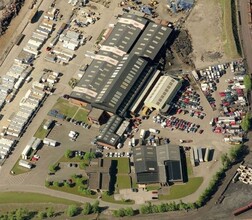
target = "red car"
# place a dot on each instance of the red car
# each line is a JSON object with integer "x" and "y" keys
{"x": 201, "y": 131}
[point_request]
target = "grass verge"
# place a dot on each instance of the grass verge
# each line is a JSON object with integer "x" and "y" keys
{"x": 111, "y": 199}
{"x": 41, "y": 132}
{"x": 18, "y": 169}
{"x": 180, "y": 191}
{"x": 228, "y": 35}
{"x": 21, "y": 197}
{"x": 153, "y": 187}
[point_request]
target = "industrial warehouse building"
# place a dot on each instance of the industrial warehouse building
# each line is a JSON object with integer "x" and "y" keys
{"x": 157, "y": 164}
{"x": 163, "y": 92}
{"x": 123, "y": 66}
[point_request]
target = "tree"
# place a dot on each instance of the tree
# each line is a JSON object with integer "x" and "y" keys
{"x": 119, "y": 213}
{"x": 68, "y": 153}
{"x": 72, "y": 210}
{"x": 83, "y": 165}
{"x": 21, "y": 214}
{"x": 52, "y": 168}
{"x": 48, "y": 183}
{"x": 41, "y": 215}
{"x": 247, "y": 82}
{"x": 87, "y": 209}
{"x": 56, "y": 184}
{"x": 95, "y": 207}
{"x": 89, "y": 155}
{"x": 49, "y": 212}
{"x": 129, "y": 211}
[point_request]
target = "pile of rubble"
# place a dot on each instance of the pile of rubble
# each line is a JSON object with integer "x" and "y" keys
{"x": 10, "y": 11}
{"x": 105, "y": 3}
{"x": 183, "y": 47}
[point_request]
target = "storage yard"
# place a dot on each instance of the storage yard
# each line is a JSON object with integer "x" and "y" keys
{"x": 110, "y": 65}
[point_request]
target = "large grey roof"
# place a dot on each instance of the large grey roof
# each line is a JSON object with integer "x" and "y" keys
{"x": 130, "y": 73}
{"x": 126, "y": 32}
{"x": 93, "y": 80}
{"x": 169, "y": 156}
{"x": 145, "y": 161}
{"x": 151, "y": 40}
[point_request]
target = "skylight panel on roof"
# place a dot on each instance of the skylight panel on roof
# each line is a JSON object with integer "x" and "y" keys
{"x": 149, "y": 35}
{"x": 159, "y": 38}
{"x": 148, "y": 51}
{"x": 146, "y": 39}
{"x": 155, "y": 42}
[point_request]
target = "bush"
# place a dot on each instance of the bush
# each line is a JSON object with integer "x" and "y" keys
{"x": 129, "y": 211}
{"x": 72, "y": 210}
{"x": 119, "y": 213}
{"x": 48, "y": 183}
{"x": 246, "y": 122}
{"x": 68, "y": 153}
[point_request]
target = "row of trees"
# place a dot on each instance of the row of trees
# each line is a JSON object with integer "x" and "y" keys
{"x": 24, "y": 214}
{"x": 87, "y": 156}
{"x": 234, "y": 155}
{"x": 166, "y": 207}
{"x": 87, "y": 209}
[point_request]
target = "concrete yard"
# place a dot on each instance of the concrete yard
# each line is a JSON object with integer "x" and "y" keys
{"x": 206, "y": 29}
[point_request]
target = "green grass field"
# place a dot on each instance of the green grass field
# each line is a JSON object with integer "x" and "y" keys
{"x": 81, "y": 115}
{"x": 180, "y": 191}
{"x": 21, "y": 197}
{"x": 228, "y": 37}
{"x": 66, "y": 108}
{"x": 41, "y": 132}
{"x": 123, "y": 165}
{"x": 123, "y": 181}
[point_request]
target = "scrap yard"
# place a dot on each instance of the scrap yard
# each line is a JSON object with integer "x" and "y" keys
{"x": 123, "y": 101}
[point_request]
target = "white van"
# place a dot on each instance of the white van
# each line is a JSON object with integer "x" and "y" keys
{"x": 133, "y": 143}
{"x": 119, "y": 145}
{"x": 155, "y": 131}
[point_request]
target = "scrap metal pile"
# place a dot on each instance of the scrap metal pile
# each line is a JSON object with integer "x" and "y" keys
{"x": 10, "y": 11}
{"x": 183, "y": 47}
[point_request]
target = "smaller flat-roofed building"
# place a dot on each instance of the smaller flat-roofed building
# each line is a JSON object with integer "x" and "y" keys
{"x": 98, "y": 116}
{"x": 99, "y": 174}
{"x": 112, "y": 132}
{"x": 163, "y": 92}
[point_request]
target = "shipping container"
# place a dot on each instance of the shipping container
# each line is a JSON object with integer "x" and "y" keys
{"x": 200, "y": 154}
{"x": 196, "y": 155}
{"x": 206, "y": 157}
